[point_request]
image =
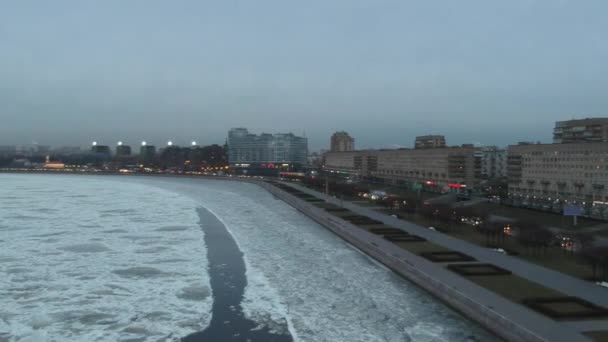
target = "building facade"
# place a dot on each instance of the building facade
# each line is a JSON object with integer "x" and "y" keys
{"x": 549, "y": 176}
{"x": 439, "y": 170}
{"x": 581, "y": 130}
{"x": 101, "y": 149}
{"x": 123, "y": 150}
{"x": 256, "y": 154}
{"x": 147, "y": 154}
{"x": 492, "y": 162}
{"x": 429, "y": 141}
{"x": 342, "y": 142}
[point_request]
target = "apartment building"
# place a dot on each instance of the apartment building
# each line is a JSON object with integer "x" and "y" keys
{"x": 342, "y": 142}
{"x": 549, "y": 176}
{"x": 581, "y": 131}
{"x": 492, "y": 162}
{"x": 265, "y": 154}
{"x": 436, "y": 169}
{"x": 429, "y": 141}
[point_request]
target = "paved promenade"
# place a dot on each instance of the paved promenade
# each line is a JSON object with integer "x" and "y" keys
{"x": 546, "y": 328}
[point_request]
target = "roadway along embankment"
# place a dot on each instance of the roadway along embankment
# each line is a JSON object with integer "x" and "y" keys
{"x": 504, "y": 318}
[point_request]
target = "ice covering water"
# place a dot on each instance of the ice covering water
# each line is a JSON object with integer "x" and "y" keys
{"x": 305, "y": 278}
{"x": 87, "y": 258}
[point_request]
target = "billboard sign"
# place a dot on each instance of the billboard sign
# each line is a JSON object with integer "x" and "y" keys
{"x": 573, "y": 210}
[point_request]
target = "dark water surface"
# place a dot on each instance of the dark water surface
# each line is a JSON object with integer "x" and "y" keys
{"x": 228, "y": 281}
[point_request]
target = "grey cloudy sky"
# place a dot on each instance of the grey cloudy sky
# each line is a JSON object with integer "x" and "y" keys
{"x": 492, "y": 72}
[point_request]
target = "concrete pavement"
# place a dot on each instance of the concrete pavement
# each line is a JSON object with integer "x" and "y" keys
{"x": 548, "y": 328}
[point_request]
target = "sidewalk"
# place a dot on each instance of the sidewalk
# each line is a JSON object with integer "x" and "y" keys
{"x": 551, "y": 279}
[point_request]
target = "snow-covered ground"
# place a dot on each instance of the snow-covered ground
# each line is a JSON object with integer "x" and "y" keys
{"x": 303, "y": 276}
{"x": 94, "y": 259}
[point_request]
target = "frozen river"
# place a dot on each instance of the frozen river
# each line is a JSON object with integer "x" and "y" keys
{"x": 88, "y": 258}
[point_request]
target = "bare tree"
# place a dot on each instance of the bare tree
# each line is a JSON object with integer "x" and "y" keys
{"x": 597, "y": 257}
{"x": 494, "y": 232}
{"x": 533, "y": 235}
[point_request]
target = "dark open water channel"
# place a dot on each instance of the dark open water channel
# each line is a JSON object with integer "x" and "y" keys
{"x": 228, "y": 281}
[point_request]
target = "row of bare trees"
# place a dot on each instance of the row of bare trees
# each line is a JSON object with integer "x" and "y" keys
{"x": 597, "y": 257}
{"x": 534, "y": 237}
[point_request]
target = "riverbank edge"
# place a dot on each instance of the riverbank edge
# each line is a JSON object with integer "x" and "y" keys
{"x": 487, "y": 317}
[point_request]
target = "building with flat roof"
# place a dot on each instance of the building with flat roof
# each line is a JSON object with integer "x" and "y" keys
{"x": 429, "y": 141}
{"x": 101, "y": 153}
{"x": 439, "y": 170}
{"x": 147, "y": 154}
{"x": 549, "y": 176}
{"x": 581, "y": 131}
{"x": 123, "y": 150}
{"x": 342, "y": 142}
{"x": 492, "y": 162}
{"x": 265, "y": 154}
{"x": 101, "y": 150}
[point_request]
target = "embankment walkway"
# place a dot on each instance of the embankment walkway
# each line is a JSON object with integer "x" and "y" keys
{"x": 541, "y": 326}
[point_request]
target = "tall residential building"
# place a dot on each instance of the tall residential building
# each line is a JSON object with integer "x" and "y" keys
{"x": 147, "y": 154}
{"x": 101, "y": 150}
{"x": 342, "y": 142}
{"x": 549, "y": 176}
{"x": 430, "y": 141}
{"x": 492, "y": 162}
{"x": 123, "y": 150}
{"x": 253, "y": 153}
{"x": 439, "y": 169}
{"x": 173, "y": 156}
{"x": 581, "y": 130}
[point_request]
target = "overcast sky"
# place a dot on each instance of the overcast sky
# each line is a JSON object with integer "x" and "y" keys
{"x": 477, "y": 71}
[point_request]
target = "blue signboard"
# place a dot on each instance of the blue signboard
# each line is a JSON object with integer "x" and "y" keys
{"x": 573, "y": 210}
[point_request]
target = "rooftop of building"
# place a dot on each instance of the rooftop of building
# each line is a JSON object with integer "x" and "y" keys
{"x": 431, "y": 136}
{"x": 562, "y": 146}
{"x": 596, "y": 120}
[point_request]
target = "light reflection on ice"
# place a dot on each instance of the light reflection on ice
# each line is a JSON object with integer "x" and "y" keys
{"x": 92, "y": 259}
{"x": 300, "y": 274}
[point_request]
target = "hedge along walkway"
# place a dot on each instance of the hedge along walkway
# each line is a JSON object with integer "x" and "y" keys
{"x": 553, "y": 257}
{"x": 527, "y": 272}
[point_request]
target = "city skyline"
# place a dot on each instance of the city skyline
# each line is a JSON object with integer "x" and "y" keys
{"x": 272, "y": 170}
{"x": 185, "y": 142}
{"x": 385, "y": 71}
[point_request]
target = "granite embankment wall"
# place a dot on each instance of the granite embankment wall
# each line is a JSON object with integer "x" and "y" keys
{"x": 405, "y": 264}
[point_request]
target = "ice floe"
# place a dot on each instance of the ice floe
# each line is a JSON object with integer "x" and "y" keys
{"x": 303, "y": 277}
{"x": 92, "y": 259}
